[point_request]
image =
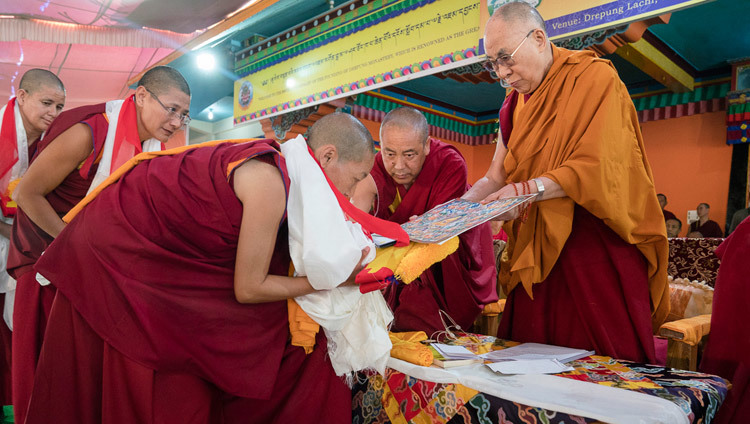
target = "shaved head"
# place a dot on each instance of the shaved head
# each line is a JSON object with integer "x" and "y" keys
{"x": 406, "y": 118}
{"x": 516, "y": 35}
{"x": 404, "y": 144}
{"x": 352, "y": 140}
{"x": 162, "y": 100}
{"x": 40, "y": 99}
{"x": 36, "y": 78}
{"x": 344, "y": 149}
{"x": 160, "y": 79}
{"x": 520, "y": 12}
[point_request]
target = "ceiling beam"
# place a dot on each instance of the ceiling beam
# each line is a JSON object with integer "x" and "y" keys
{"x": 649, "y": 59}
{"x": 633, "y": 33}
{"x": 210, "y": 33}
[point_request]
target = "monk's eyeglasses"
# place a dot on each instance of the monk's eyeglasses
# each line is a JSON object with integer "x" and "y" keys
{"x": 504, "y": 60}
{"x": 172, "y": 113}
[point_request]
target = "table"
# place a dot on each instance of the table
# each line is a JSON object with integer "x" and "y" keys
{"x": 599, "y": 389}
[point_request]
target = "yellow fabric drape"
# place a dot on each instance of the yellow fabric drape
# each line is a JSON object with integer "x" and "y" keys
{"x": 8, "y": 195}
{"x": 396, "y": 201}
{"x": 407, "y": 347}
{"x": 302, "y": 328}
{"x": 520, "y": 103}
{"x": 580, "y": 129}
{"x": 692, "y": 329}
{"x": 409, "y": 262}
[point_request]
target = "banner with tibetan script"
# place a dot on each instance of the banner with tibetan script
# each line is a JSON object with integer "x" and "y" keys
{"x": 572, "y": 17}
{"x": 360, "y": 46}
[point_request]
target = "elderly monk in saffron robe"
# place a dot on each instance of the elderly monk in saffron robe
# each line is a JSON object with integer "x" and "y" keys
{"x": 588, "y": 265}
{"x": 79, "y": 150}
{"x": 172, "y": 307}
{"x": 727, "y": 351}
{"x": 23, "y": 121}
{"x": 413, "y": 173}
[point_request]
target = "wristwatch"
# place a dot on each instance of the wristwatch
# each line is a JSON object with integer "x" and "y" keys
{"x": 539, "y": 187}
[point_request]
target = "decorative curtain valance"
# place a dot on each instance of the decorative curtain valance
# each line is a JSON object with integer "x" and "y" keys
{"x": 16, "y": 29}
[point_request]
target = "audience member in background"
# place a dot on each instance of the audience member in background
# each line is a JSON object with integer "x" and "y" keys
{"x": 663, "y": 202}
{"x": 674, "y": 226}
{"x": 705, "y": 226}
{"x": 694, "y": 234}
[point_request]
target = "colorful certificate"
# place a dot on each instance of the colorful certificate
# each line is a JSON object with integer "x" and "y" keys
{"x": 457, "y": 216}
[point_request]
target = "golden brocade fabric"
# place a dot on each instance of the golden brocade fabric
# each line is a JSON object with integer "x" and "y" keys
{"x": 409, "y": 262}
{"x": 408, "y": 347}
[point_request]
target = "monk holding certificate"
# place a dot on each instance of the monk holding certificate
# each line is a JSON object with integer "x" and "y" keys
{"x": 588, "y": 259}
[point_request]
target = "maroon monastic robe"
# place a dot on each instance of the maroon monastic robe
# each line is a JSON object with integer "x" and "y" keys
{"x": 28, "y": 241}
{"x": 5, "y": 333}
{"x": 727, "y": 351}
{"x": 463, "y": 282}
{"x": 595, "y": 297}
{"x": 6, "y": 336}
{"x": 709, "y": 229}
{"x": 152, "y": 278}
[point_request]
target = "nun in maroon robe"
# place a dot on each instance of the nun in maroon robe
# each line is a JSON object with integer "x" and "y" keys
{"x": 146, "y": 326}
{"x": 463, "y": 282}
{"x": 28, "y": 241}
{"x": 727, "y": 351}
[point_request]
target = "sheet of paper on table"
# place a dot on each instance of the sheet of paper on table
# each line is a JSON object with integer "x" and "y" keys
{"x": 529, "y": 366}
{"x": 454, "y": 352}
{"x": 531, "y": 351}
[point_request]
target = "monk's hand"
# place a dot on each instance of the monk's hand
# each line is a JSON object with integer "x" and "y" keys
{"x": 508, "y": 216}
{"x": 506, "y": 191}
{"x": 360, "y": 266}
